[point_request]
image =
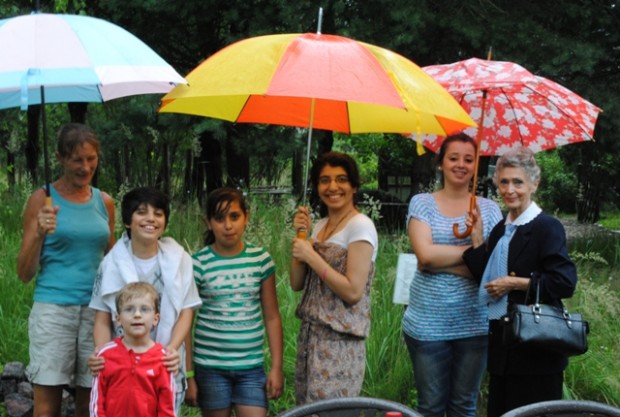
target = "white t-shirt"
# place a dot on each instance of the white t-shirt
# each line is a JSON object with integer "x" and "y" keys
{"x": 358, "y": 228}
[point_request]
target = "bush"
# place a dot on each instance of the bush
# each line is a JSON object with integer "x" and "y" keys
{"x": 558, "y": 186}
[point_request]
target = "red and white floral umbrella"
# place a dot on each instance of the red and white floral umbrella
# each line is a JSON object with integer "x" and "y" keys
{"x": 512, "y": 107}
{"x": 520, "y": 108}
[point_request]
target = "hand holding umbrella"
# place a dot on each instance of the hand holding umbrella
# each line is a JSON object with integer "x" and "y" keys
{"x": 46, "y": 219}
{"x": 302, "y": 221}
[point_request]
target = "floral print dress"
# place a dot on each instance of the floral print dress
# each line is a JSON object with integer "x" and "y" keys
{"x": 331, "y": 351}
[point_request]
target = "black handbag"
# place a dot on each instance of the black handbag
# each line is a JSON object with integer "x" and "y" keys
{"x": 545, "y": 327}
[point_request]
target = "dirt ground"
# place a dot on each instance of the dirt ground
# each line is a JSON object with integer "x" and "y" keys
{"x": 575, "y": 229}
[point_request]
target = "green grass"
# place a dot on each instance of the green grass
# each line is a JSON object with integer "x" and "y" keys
{"x": 594, "y": 376}
{"x": 610, "y": 220}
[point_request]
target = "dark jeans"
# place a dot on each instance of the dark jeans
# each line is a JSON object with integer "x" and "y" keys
{"x": 448, "y": 375}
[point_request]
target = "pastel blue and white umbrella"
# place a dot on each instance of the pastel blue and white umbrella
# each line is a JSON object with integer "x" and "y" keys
{"x": 57, "y": 58}
{"x": 76, "y": 59}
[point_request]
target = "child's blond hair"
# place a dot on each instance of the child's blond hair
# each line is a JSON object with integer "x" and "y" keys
{"x": 134, "y": 290}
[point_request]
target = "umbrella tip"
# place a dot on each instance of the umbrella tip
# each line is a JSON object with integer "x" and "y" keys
{"x": 490, "y": 53}
{"x": 320, "y": 21}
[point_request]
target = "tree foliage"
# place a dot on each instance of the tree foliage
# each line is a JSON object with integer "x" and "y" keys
{"x": 576, "y": 44}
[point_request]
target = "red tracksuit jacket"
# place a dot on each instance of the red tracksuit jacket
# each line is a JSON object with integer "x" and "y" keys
{"x": 132, "y": 385}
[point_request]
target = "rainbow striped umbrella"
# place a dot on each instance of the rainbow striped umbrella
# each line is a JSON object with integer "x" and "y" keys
{"x": 313, "y": 80}
{"x": 317, "y": 81}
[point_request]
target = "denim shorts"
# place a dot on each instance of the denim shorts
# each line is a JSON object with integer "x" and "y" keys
{"x": 219, "y": 389}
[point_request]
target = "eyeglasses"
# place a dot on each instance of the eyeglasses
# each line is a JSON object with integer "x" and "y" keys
{"x": 340, "y": 179}
{"x": 132, "y": 310}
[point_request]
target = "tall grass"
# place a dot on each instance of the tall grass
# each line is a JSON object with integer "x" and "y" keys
{"x": 16, "y": 297}
{"x": 15, "y": 303}
{"x": 594, "y": 376}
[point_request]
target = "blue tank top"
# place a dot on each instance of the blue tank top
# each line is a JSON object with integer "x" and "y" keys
{"x": 71, "y": 255}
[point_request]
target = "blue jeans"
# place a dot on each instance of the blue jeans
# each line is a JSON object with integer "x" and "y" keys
{"x": 448, "y": 375}
{"x": 219, "y": 388}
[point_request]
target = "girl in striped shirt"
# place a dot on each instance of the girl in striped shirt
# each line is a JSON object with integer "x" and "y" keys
{"x": 236, "y": 281}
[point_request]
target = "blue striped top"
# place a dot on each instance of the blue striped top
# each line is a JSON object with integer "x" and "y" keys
{"x": 444, "y": 306}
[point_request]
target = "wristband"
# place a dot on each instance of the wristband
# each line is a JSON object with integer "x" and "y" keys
{"x": 189, "y": 374}
{"x": 324, "y": 274}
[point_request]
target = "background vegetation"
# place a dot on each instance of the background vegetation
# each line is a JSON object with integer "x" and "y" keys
{"x": 577, "y": 45}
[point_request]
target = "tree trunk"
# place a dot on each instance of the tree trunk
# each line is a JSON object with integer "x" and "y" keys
{"x": 588, "y": 203}
{"x": 5, "y": 135}
{"x": 118, "y": 168}
{"x": 325, "y": 140}
{"x": 163, "y": 181}
{"x": 207, "y": 167}
{"x": 482, "y": 188}
{"x": 10, "y": 162}
{"x": 213, "y": 167}
{"x": 188, "y": 183}
{"x": 237, "y": 161}
{"x": 149, "y": 166}
{"x": 126, "y": 170}
{"x": 77, "y": 111}
{"x": 298, "y": 172}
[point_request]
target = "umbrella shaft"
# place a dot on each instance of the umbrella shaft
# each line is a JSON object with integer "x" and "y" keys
{"x": 308, "y": 146}
{"x": 46, "y": 164}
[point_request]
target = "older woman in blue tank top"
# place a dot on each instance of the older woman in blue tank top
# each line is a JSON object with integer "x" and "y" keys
{"x": 62, "y": 246}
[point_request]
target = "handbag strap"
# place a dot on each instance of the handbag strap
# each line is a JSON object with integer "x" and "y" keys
{"x": 527, "y": 292}
{"x": 537, "y": 300}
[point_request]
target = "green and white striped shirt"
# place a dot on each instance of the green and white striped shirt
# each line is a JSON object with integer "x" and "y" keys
{"x": 229, "y": 326}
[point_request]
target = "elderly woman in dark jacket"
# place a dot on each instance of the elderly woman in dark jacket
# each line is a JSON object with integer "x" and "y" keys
{"x": 525, "y": 249}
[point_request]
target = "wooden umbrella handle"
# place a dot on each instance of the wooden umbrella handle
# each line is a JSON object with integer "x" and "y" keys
{"x": 472, "y": 200}
{"x": 455, "y": 230}
{"x": 48, "y": 203}
{"x": 467, "y": 232}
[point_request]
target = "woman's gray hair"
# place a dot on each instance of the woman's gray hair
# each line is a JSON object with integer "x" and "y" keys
{"x": 519, "y": 157}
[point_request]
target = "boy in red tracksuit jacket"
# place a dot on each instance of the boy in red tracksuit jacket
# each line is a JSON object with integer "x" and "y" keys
{"x": 134, "y": 382}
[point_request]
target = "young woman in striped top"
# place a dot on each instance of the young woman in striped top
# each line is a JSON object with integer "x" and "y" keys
{"x": 445, "y": 327}
{"x": 236, "y": 281}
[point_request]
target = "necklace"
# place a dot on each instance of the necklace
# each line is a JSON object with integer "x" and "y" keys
{"x": 328, "y": 235}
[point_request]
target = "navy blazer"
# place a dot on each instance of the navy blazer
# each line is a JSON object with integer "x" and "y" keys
{"x": 537, "y": 250}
